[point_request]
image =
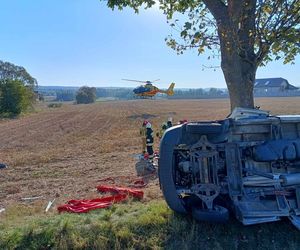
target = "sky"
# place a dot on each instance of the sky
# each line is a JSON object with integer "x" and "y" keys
{"x": 83, "y": 42}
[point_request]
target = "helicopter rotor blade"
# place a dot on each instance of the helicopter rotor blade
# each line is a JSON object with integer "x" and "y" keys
{"x": 134, "y": 80}
{"x": 156, "y": 80}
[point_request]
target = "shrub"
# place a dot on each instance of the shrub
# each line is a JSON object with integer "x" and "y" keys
{"x": 54, "y": 105}
{"x": 65, "y": 95}
{"x": 86, "y": 95}
{"x": 15, "y": 97}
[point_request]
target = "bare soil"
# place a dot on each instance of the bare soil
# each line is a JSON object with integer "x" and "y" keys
{"x": 64, "y": 152}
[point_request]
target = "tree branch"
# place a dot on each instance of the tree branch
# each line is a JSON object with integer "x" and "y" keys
{"x": 218, "y": 10}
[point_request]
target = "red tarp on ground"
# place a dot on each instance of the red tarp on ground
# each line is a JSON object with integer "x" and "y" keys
{"x": 83, "y": 206}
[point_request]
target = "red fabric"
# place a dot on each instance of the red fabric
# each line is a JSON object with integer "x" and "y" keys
{"x": 83, "y": 206}
{"x": 146, "y": 156}
{"x": 132, "y": 192}
{"x": 139, "y": 184}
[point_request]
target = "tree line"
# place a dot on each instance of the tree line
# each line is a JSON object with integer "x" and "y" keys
{"x": 70, "y": 93}
{"x": 127, "y": 93}
{"x": 198, "y": 93}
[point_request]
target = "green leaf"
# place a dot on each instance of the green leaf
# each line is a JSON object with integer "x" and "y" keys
{"x": 183, "y": 33}
{"x": 187, "y": 25}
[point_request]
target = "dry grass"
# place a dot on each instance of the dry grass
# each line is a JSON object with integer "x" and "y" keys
{"x": 63, "y": 152}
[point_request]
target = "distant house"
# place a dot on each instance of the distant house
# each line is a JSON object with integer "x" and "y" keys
{"x": 269, "y": 86}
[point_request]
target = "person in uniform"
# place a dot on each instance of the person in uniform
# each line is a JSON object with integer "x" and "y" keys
{"x": 143, "y": 136}
{"x": 162, "y": 130}
{"x": 183, "y": 121}
{"x": 169, "y": 123}
{"x": 149, "y": 141}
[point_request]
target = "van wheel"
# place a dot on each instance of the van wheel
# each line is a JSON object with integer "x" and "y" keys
{"x": 168, "y": 187}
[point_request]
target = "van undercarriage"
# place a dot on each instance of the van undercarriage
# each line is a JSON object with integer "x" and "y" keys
{"x": 248, "y": 164}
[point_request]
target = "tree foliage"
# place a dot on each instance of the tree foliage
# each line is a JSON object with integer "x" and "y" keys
{"x": 14, "y": 72}
{"x": 16, "y": 89}
{"x": 86, "y": 95}
{"x": 14, "y": 97}
{"x": 271, "y": 28}
{"x": 274, "y": 28}
{"x": 245, "y": 33}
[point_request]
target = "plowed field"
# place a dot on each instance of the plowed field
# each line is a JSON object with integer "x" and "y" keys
{"x": 63, "y": 152}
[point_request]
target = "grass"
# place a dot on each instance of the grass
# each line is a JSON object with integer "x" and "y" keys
{"x": 55, "y": 105}
{"x": 136, "y": 225}
{"x": 106, "y": 99}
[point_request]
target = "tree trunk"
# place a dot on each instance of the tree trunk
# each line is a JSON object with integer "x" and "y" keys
{"x": 238, "y": 62}
{"x": 239, "y": 76}
{"x": 236, "y": 27}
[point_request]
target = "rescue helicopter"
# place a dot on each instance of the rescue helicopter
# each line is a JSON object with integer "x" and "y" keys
{"x": 148, "y": 90}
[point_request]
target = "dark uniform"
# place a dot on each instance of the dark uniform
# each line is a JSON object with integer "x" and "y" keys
{"x": 169, "y": 124}
{"x": 162, "y": 130}
{"x": 143, "y": 136}
{"x": 149, "y": 143}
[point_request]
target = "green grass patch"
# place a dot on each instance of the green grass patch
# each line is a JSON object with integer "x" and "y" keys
{"x": 137, "y": 225}
{"x": 55, "y": 105}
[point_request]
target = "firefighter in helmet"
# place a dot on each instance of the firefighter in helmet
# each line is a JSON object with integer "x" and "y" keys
{"x": 143, "y": 136}
{"x": 183, "y": 121}
{"x": 162, "y": 130}
{"x": 149, "y": 141}
{"x": 169, "y": 122}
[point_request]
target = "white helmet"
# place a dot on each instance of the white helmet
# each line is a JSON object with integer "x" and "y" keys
{"x": 148, "y": 125}
{"x": 170, "y": 119}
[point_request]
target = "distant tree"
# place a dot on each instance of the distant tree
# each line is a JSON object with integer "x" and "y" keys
{"x": 101, "y": 92}
{"x": 14, "y": 72}
{"x": 40, "y": 96}
{"x": 247, "y": 33}
{"x": 15, "y": 97}
{"x": 65, "y": 95}
{"x": 86, "y": 95}
{"x": 123, "y": 93}
{"x": 214, "y": 92}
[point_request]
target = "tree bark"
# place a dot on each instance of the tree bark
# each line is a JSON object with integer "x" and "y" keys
{"x": 236, "y": 26}
{"x": 240, "y": 77}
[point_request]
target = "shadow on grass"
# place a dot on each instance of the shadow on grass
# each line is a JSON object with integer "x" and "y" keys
{"x": 186, "y": 233}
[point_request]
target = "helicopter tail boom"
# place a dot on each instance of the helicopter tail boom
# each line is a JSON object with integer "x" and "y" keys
{"x": 170, "y": 90}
